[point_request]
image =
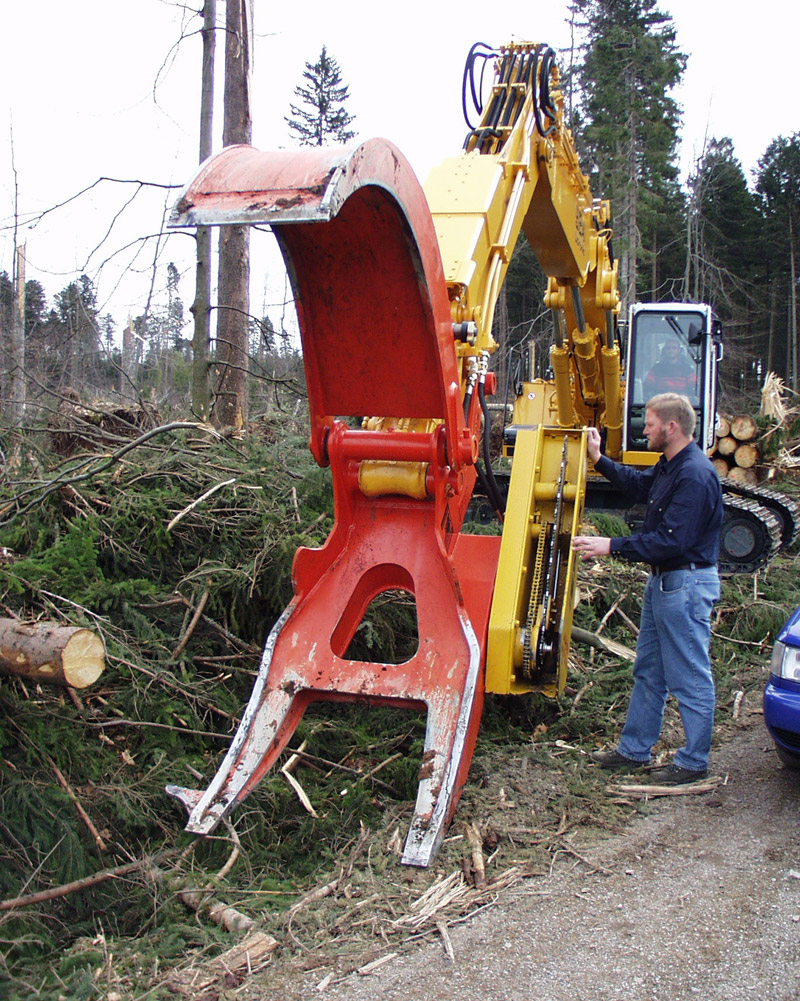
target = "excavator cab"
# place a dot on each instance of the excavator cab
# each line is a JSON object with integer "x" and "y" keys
{"x": 672, "y": 348}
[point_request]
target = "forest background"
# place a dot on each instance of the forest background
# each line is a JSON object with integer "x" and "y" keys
{"x": 104, "y": 459}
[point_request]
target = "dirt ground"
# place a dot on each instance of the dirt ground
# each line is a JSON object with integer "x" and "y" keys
{"x": 698, "y": 899}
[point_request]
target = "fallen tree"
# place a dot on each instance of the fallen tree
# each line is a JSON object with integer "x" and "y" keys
{"x": 50, "y": 653}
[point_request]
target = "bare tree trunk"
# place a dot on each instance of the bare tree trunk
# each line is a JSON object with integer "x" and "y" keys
{"x": 771, "y": 332}
{"x": 201, "y": 307}
{"x": 234, "y": 246}
{"x": 17, "y": 387}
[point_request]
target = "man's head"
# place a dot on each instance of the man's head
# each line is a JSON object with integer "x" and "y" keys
{"x": 669, "y": 423}
{"x": 672, "y": 349}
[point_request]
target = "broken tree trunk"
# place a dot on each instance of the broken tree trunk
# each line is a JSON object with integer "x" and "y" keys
{"x": 50, "y": 653}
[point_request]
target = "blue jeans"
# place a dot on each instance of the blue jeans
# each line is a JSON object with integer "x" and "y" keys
{"x": 672, "y": 656}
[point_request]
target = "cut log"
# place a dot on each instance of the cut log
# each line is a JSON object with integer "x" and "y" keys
{"x": 745, "y": 476}
{"x": 50, "y": 653}
{"x": 746, "y": 456}
{"x": 744, "y": 428}
{"x": 721, "y": 465}
{"x": 727, "y": 445}
{"x": 723, "y": 428}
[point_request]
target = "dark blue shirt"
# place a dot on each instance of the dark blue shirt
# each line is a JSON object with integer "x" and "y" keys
{"x": 684, "y": 508}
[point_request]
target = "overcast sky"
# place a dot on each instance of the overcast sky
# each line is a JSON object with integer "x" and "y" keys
{"x": 98, "y": 88}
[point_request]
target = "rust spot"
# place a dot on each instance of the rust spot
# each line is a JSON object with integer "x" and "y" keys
{"x": 184, "y": 205}
{"x": 283, "y": 203}
{"x": 290, "y": 687}
{"x": 426, "y": 770}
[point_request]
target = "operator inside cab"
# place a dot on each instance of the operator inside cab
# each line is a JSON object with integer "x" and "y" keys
{"x": 672, "y": 373}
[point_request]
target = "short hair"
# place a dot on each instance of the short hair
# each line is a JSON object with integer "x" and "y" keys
{"x": 674, "y": 407}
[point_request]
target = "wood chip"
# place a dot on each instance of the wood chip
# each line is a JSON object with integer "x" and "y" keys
{"x": 365, "y": 971}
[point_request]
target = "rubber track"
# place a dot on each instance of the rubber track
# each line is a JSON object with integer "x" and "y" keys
{"x": 789, "y": 511}
{"x": 753, "y": 511}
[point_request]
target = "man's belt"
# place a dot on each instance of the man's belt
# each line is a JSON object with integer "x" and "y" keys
{"x": 659, "y": 569}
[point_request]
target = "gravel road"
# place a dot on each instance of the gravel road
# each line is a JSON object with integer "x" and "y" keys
{"x": 700, "y": 899}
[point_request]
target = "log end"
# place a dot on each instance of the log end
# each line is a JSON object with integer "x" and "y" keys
{"x": 83, "y": 659}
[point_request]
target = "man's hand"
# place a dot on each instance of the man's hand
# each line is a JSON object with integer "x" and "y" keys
{"x": 587, "y": 546}
{"x": 593, "y": 444}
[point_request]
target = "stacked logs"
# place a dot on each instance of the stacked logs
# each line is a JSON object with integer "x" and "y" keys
{"x": 736, "y": 453}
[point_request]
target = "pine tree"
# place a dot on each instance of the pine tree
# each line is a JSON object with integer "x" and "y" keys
{"x": 324, "y": 118}
{"x": 778, "y": 188}
{"x": 724, "y": 227}
{"x": 724, "y": 260}
{"x": 628, "y": 126}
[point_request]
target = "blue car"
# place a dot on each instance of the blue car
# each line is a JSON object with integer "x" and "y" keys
{"x": 782, "y": 694}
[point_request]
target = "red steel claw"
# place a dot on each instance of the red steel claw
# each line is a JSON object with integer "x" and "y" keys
{"x": 359, "y": 242}
{"x": 300, "y": 667}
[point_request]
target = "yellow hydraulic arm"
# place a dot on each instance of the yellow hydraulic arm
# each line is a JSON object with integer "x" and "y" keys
{"x": 519, "y": 172}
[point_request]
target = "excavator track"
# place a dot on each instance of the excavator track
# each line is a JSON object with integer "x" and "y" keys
{"x": 781, "y": 505}
{"x": 750, "y": 536}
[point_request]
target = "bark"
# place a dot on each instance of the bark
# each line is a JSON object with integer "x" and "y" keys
{"x": 17, "y": 400}
{"x": 234, "y": 244}
{"x": 201, "y": 307}
{"x": 49, "y": 653}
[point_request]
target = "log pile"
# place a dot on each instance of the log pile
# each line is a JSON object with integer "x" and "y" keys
{"x": 736, "y": 454}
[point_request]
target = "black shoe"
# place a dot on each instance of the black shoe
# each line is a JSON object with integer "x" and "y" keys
{"x": 674, "y": 775}
{"x": 615, "y": 760}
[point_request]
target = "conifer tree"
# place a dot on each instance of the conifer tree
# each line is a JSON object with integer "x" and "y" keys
{"x": 778, "y": 188}
{"x": 320, "y": 115}
{"x": 724, "y": 260}
{"x": 628, "y": 125}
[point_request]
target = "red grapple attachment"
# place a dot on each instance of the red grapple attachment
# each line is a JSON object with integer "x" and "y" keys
{"x": 360, "y": 246}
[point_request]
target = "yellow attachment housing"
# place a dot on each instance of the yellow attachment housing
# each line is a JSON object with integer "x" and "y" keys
{"x": 377, "y": 478}
{"x": 532, "y": 504}
{"x": 380, "y": 477}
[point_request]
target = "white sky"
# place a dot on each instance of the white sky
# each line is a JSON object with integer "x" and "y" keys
{"x": 77, "y": 94}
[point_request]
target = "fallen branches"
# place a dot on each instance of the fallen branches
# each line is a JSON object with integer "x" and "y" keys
{"x": 603, "y": 644}
{"x": 644, "y": 791}
{"x": 79, "y": 884}
{"x": 101, "y": 845}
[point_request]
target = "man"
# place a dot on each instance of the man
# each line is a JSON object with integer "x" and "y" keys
{"x": 680, "y": 540}
{"x": 673, "y": 373}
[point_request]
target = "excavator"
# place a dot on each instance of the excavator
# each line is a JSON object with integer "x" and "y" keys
{"x": 396, "y": 287}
